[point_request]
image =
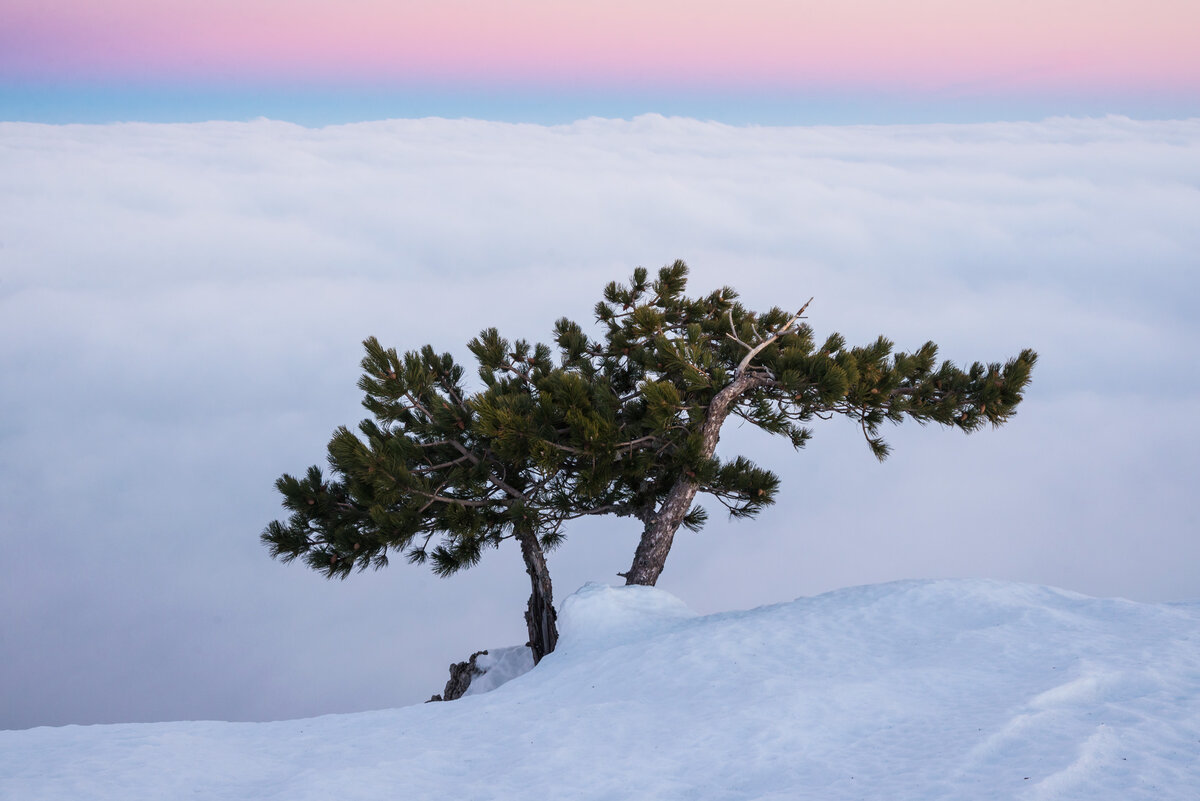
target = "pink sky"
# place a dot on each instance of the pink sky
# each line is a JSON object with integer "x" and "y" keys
{"x": 921, "y": 45}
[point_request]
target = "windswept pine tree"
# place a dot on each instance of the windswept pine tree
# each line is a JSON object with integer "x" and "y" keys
{"x": 626, "y": 424}
{"x": 683, "y": 366}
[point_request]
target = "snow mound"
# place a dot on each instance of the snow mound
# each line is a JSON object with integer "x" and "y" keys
{"x": 912, "y": 690}
{"x": 594, "y": 616}
{"x": 600, "y": 616}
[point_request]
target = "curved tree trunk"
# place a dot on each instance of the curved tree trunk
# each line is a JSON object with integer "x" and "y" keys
{"x": 540, "y": 617}
{"x": 652, "y": 550}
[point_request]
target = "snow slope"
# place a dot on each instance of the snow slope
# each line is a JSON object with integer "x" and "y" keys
{"x": 957, "y": 689}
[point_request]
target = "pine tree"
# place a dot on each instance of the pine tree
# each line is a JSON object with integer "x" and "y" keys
{"x": 626, "y": 424}
{"x": 682, "y": 366}
{"x": 440, "y": 474}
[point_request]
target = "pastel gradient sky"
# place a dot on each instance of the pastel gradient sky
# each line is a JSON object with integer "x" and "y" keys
{"x": 1017, "y": 57}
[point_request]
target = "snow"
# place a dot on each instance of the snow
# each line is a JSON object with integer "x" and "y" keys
{"x": 500, "y": 665}
{"x": 598, "y": 616}
{"x": 949, "y": 689}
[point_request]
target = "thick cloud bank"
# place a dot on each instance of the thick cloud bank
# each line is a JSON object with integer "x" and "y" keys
{"x": 914, "y": 690}
{"x": 181, "y": 308}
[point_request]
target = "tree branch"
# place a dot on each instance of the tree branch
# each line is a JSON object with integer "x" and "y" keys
{"x": 619, "y": 509}
{"x": 733, "y": 328}
{"x": 512, "y": 491}
{"x": 417, "y": 405}
{"x": 433, "y": 467}
{"x": 783, "y": 329}
{"x": 446, "y": 499}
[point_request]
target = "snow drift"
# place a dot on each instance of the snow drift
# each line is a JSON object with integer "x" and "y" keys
{"x": 910, "y": 690}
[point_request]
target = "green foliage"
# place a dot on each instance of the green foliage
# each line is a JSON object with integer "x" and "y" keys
{"x": 604, "y": 425}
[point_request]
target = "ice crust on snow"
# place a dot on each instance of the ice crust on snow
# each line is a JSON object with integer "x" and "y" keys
{"x": 910, "y": 690}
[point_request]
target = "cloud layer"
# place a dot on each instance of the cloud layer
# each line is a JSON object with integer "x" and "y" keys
{"x": 181, "y": 309}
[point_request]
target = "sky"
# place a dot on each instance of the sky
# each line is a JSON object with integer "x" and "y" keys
{"x": 182, "y": 308}
{"x": 762, "y": 61}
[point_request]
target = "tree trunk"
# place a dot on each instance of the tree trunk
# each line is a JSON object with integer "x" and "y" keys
{"x": 540, "y": 616}
{"x": 652, "y": 550}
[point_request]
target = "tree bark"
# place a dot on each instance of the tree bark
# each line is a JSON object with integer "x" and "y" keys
{"x": 540, "y": 617}
{"x": 652, "y": 550}
{"x": 461, "y": 676}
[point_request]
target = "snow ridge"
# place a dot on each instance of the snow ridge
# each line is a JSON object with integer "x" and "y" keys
{"x": 909, "y": 690}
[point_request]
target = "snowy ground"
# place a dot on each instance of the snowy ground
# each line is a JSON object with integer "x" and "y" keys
{"x": 912, "y": 690}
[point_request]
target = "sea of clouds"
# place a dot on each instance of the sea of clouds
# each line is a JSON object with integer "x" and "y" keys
{"x": 182, "y": 307}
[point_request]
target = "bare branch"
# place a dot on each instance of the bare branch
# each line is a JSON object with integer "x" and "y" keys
{"x": 733, "y": 328}
{"x": 619, "y": 509}
{"x": 430, "y": 468}
{"x": 783, "y": 329}
{"x": 454, "y": 501}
